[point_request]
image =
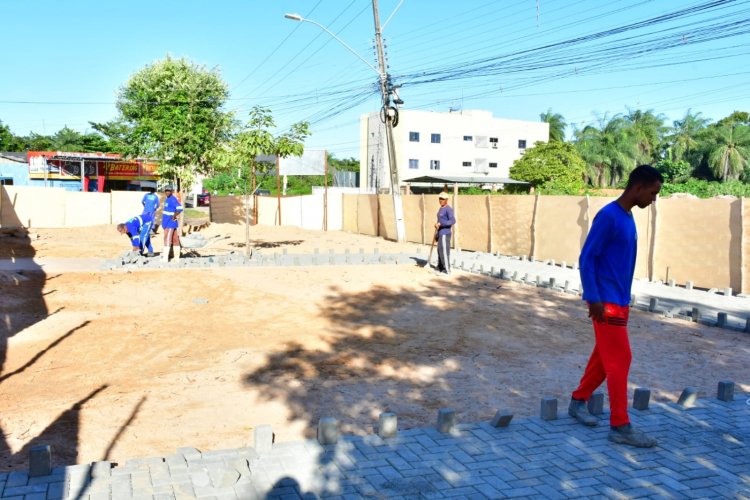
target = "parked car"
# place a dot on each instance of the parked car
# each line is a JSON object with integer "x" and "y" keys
{"x": 204, "y": 199}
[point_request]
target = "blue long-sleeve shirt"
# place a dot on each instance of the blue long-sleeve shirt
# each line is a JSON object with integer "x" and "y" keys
{"x": 150, "y": 203}
{"x": 446, "y": 218}
{"x": 607, "y": 261}
{"x": 172, "y": 208}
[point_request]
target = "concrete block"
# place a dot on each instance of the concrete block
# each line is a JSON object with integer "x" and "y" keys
{"x": 40, "y": 461}
{"x": 446, "y": 419}
{"x": 575, "y": 266}
{"x": 515, "y": 276}
{"x": 549, "y": 408}
{"x": 552, "y": 282}
{"x": 501, "y": 419}
{"x": 671, "y": 282}
{"x": 328, "y": 430}
{"x": 725, "y": 391}
{"x": 695, "y": 315}
{"x": 539, "y": 281}
{"x": 640, "y": 398}
{"x": 567, "y": 285}
{"x": 633, "y": 300}
{"x": 728, "y": 292}
{"x": 563, "y": 264}
{"x": 596, "y": 403}
{"x": 552, "y": 262}
{"x": 688, "y": 397}
{"x": 653, "y": 303}
{"x": 721, "y": 319}
{"x": 263, "y": 439}
{"x": 387, "y": 425}
{"x": 688, "y": 285}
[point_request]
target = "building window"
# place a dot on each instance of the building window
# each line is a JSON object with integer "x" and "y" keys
{"x": 434, "y": 164}
{"x": 493, "y": 142}
{"x": 466, "y": 164}
{"x": 413, "y": 136}
{"x": 493, "y": 165}
{"x": 413, "y": 164}
{"x": 435, "y": 138}
{"x": 468, "y": 138}
{"x": 521, "y": 143}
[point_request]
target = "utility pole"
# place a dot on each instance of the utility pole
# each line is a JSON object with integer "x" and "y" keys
{"x": 388, "y": 114}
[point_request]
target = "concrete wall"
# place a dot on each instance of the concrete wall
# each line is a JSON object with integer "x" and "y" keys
{"x": 36, "y": 207}
{"x": 703, "y": 241}
{"x": 126, "y": 204}
{"x": 699, "y": 238}
{"x": 229, "y": 209}
{"x": 32, "y": 207}
{"x": 90, "y": 209}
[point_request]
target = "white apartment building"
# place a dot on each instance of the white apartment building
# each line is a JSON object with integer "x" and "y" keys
{"x": 464, "y": 146}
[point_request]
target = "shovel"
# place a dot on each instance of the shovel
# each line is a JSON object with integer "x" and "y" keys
{"x": 432, "y": 247}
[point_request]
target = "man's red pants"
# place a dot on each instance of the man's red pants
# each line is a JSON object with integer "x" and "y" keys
{"x": 609, "y": 360}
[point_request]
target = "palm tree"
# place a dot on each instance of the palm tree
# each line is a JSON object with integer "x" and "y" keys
{"x": 728, "y": 150}
{"x": 557, "y": 125}
{"x": 610, "y": 150}
{"x": 648, "y": 131}
{"x": 683, "y": 140}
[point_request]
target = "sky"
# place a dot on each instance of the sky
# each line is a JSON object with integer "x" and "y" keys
{"x": 64, "y": 62}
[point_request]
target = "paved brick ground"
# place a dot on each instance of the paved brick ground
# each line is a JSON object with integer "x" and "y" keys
{"x": 703, "y": 452}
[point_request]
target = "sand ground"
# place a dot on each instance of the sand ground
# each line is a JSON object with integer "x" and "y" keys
{"x": 111, "y": 365}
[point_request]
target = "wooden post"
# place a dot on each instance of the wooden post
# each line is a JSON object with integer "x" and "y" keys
{"x": 325, "y": 193}
{"x": 489, "y": 223}
{"x": 278, "y": 189}
{"x": 533, "y": 227}
{"x": 424, "y": 213}
{"x": 455, "y": 212}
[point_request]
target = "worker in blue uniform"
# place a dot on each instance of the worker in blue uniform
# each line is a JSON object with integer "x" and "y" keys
{"x": 170, "y": 222}
{"x": 138, "y": 229}
{"x": 150, "y": 204}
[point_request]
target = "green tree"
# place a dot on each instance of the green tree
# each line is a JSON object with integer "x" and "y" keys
{"x": 557, "y": 125}
{"x": 609, "y": 150}
{"x": 343, "y": 164}
{"x": 674, "y": 171}
{"x": 553, "y": 167}
{"x": 171, "y": 111}
{"x": 253, "y": 140}
{"x": 647, "y": 130}
{"x": 67, "y": 139}
{"x": 683, "y": 140}
{"x": 728, "y": 150}
{"x": 8, "y": 141}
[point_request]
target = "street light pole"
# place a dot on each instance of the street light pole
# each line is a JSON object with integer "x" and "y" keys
{"x": 388, "y": 111}
{"x": 388, "y": 115}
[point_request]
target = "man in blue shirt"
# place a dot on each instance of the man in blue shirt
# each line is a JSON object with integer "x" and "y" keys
{"x": 607, "y": 265}
{"x": 443, "y": 228}
{"x": 138, "y": 229}
{"x": 150, "y": 204}
{"x": 170, "y": 222}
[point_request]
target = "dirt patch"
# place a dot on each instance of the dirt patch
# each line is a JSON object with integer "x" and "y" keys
{"x": 115, "y": 365}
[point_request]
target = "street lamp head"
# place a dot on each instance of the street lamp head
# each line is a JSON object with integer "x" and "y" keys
{"x": 293, "y": 17}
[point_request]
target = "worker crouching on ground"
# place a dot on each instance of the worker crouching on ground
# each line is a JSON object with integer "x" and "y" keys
{"x": 170, "y": 223}
{"x": 138, "y": 229}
